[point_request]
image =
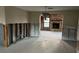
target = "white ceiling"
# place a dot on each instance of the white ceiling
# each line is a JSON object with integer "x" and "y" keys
{"x": 48, "y": 8}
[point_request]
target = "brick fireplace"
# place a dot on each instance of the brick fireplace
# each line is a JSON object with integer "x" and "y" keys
{"x": 56, "y": 25}
{"x": 56, "y": 22}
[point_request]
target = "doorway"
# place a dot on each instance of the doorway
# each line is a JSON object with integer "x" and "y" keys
{"x": 45, "y": 23}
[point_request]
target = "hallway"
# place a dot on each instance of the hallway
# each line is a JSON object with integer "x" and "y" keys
{"x": 47, "y": 42}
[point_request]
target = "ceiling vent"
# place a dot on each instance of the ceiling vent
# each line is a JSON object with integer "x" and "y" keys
{"x": 50, "y": 8}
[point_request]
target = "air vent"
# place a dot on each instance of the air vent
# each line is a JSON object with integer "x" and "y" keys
{"x": 50, "y": 8}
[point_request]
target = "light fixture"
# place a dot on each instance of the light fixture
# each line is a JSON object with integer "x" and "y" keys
{"x": 45, "y": 12}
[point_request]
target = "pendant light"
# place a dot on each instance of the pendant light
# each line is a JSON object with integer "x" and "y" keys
{"x": 45, "y": 12}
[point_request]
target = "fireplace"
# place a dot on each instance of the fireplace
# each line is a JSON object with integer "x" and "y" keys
{"x": 56, "y": 22}
{"x": 55, "y": 25}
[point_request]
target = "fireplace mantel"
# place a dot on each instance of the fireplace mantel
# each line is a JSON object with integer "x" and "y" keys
{"x": 56, "y": 20}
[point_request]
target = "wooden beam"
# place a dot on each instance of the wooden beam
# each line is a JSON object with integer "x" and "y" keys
{"x": 5, "y": 27}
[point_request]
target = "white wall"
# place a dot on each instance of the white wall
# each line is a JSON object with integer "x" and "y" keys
{"x": 34, "y": 20}
{"x": 15, "y": 15}
{"x": 70, "y": 26}
{"x": 2, "y": 15}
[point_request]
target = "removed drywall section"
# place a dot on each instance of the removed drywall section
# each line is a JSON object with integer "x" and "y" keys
{"x": 2, "y": 15}
{"x": 34, "y": 20}
{"x": 15, "y": 15}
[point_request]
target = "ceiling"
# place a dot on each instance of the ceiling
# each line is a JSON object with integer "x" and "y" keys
{"x": 48, "y": 8}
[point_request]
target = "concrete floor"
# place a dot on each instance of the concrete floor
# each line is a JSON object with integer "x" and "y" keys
{"x": 77, "y": 47}
{"x": 47, "y": 42}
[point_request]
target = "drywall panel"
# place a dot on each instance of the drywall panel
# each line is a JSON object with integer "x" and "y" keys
{"x": 35, "y": 29}
{"x": 70, "y": 21}
{"x": 2, "y": 15}
{"x": 34, "y": 17}
{"x": 15, "y": 15}
{"x": 34, "y": 20}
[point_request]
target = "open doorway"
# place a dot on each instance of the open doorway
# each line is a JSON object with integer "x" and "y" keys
{"x": 45, "y": 22}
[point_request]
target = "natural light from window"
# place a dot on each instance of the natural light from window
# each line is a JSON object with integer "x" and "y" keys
{"x": 46, "y": 22}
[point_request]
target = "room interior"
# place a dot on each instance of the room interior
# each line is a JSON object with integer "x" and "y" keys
{"x": 44, "y": 29}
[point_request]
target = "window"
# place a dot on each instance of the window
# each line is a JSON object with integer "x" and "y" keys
{"x": 46, "y": 22}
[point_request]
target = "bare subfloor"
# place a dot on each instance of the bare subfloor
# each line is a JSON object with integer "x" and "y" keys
{"x": 47, "y": 42}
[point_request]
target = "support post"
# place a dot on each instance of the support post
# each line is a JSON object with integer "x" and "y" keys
{"x": 6, "y": 41}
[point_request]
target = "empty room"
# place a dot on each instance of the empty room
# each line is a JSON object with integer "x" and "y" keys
{"x": 39, "y": 29}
